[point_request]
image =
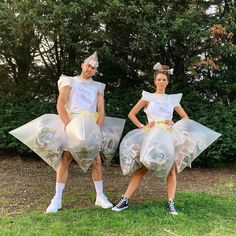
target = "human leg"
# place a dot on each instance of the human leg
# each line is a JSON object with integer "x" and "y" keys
{"x": 132, "y": 187}
{"x": 135, "y": 181}
{"x": 101, "y": 199}
{"x": 61, "y": 178}
{"x": 171, "y": 189}
{"x": 171, "y": 183}
{"x": 63, "y": 169}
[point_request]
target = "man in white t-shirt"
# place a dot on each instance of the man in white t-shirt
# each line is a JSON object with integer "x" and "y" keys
{"x": 68, "y": 97}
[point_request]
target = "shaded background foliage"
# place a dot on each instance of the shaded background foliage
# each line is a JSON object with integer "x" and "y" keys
{"x": 40, "y": 40}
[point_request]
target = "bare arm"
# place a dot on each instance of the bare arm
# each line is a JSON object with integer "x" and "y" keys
{"x": 132, "y": 114}
{"x": 181, "y": 112}
{"x": 100, "y": 109}
{"x": 61, "y": 103}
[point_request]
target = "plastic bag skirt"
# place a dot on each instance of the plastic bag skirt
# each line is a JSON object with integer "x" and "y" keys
{"x": 47, "y": 137}
{"x": 161, "y": 146}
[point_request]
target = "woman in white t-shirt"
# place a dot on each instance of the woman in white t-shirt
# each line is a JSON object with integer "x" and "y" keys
{"x": 161, "y": 145}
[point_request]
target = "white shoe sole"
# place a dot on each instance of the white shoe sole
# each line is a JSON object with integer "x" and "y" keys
{"x": 104, "y": 206}
{"x": 118, "y": 209}
{"x": 53, "y": 210}
{"x": 174, "y": 213}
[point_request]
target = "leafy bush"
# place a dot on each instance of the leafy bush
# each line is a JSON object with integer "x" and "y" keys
{"x": 17, "y": 111}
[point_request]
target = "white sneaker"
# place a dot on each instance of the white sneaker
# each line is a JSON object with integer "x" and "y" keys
{"x": 103, "y": 202}
{"x": 53, "y": 207}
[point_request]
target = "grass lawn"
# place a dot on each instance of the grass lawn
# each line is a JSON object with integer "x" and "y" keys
{"x": 199, "y": 214}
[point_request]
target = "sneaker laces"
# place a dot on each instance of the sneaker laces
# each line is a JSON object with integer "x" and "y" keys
{"x": 172, "y": 206}
{"x": 120, "y": 203}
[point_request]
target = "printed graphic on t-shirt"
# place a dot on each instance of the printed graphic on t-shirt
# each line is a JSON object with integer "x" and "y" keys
{"x": 86, "y": 95}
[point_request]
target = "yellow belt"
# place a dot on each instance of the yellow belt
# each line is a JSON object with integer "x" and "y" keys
{"x": 95, "y": 115}
{"x": 162, "y": 124}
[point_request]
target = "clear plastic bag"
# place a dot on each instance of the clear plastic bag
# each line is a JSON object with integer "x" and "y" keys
{"x": 111, "y": 133}
{"x": 157, "y": 152}
{"x": 193, "y": 139}
{"x": 84, "y": 139}
{"x": 45, "y": 136}
{"x": 130, "y": 148}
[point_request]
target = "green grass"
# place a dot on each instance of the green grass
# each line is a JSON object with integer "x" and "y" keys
{"x": 200, "y": 214}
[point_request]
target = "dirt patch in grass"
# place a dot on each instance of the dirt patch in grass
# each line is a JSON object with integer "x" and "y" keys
{"x": 27, "y": 185}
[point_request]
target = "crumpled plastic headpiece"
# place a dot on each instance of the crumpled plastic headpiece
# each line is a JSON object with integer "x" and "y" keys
{"x": 92, "y": 60}
{"x": 158, "y": 66}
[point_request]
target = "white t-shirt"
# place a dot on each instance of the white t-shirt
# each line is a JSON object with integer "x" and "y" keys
{"x": 161, "y": 106}
{"x": 83, "y": 94}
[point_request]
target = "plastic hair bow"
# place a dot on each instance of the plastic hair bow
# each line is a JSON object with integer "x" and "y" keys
{"x": 158, "y": 66}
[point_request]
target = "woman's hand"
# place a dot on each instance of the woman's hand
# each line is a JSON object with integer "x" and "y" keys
{"x": 149, "y": 125}
{"x": 169, "y": 122}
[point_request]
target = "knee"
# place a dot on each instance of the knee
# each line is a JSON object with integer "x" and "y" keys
{"x": 66, "y": 159}
{"x": 142, "y": 171}
{"x": 97, "y": 161}
{"x": 172, "y": 172}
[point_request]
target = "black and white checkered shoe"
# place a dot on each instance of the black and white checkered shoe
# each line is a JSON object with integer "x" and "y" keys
{"x": 172, "y": 209}
{"x": 122, "y": 205}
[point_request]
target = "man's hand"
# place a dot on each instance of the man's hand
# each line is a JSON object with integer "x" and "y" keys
{"x": 100, "y": 123}
{"x": 66, "y": 123}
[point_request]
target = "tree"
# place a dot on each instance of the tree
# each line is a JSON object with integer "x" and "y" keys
{"x": 39, "y": 40}
{"x": 18, "y": 43}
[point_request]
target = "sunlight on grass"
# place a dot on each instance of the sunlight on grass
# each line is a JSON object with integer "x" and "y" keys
{"x": 200, "y": 214}
{"x": 225, "y": 187}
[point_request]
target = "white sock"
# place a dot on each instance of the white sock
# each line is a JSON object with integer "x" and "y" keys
{"x": 59, "y": 189}
{"x": 99, "y": 188}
